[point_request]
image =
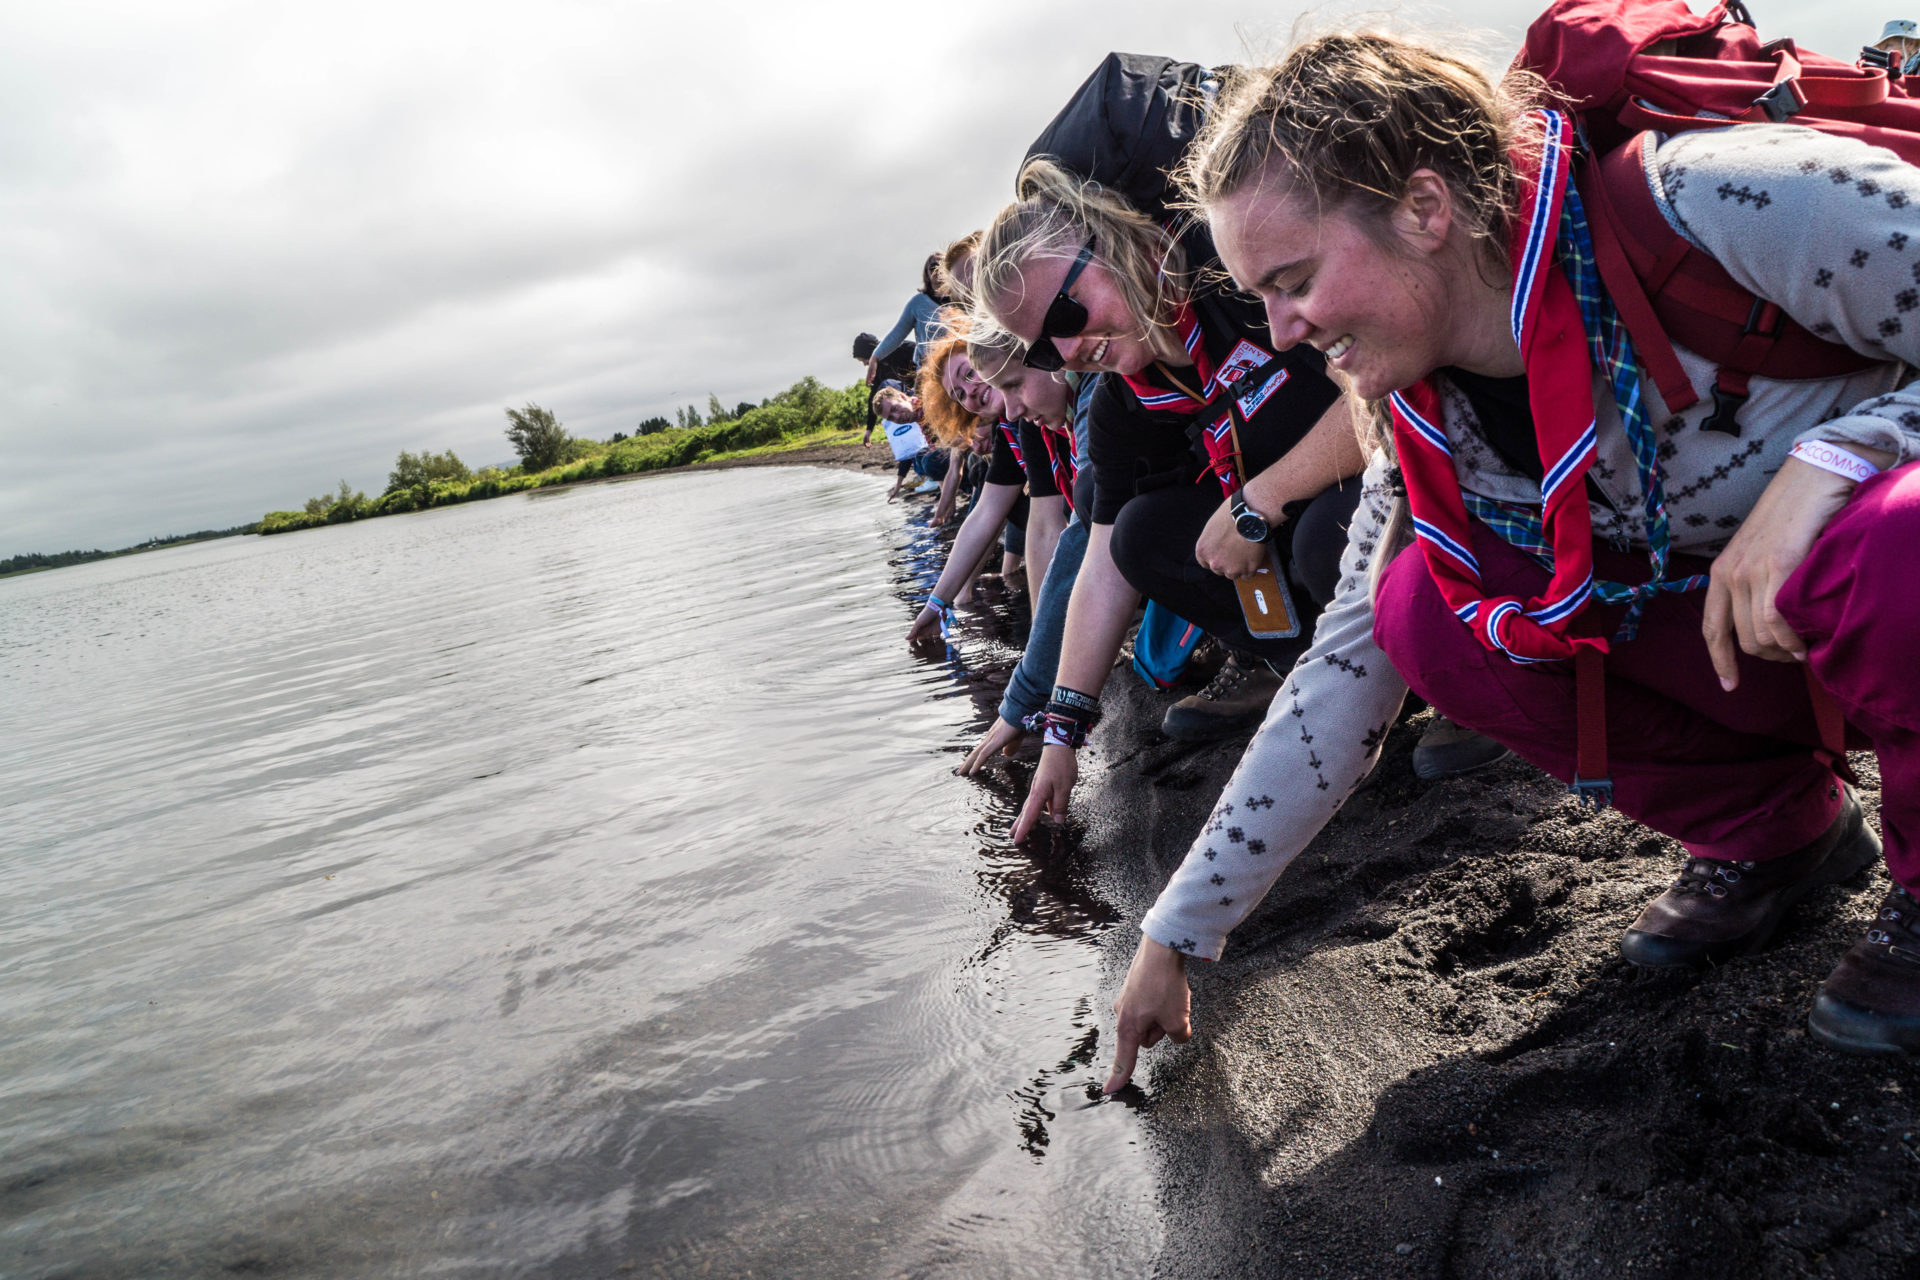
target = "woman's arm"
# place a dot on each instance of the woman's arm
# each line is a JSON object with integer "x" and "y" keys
{"x": 1320, "y": 740}
{"x": 973, "y": 541}
{"x": 1328, "y": 454}
{"x": 949, "y": 489}
{"x": 1046, "y": 517}
{"x": 896, "y": 335}
{"x": 1097, "y": 618}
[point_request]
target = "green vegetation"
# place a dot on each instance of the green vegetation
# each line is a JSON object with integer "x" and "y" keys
{"x": 537, "y": 436}
{"x": 804, "y": 412}
{"x": 413, "y": 470}
{"x": 35, "y": 561}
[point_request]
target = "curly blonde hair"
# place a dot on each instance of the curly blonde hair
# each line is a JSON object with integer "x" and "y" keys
{"x": 1056, "y": 214}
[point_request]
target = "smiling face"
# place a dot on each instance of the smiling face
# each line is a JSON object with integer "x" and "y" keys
{"x": 1369, "y": 297}
{"x": 1033, "y": 395}
{"x": 969, "y": 390}
{"x": 1114, "y": 340}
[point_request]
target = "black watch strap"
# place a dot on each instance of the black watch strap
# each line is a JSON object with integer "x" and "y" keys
{"x": 1250, "y": 524}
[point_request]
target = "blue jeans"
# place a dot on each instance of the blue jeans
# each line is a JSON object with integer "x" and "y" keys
{"x": 1033, "y": 680}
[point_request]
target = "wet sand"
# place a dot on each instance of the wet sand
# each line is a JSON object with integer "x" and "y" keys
{"x": 1423, "y": 1056}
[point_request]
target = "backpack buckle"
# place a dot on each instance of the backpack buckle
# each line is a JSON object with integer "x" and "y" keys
{"x": 1782, "y": 102}
{"x": 1738, "y": 12}
{"x": 1726, "y": 404}
{"x": 1593, "y": 793}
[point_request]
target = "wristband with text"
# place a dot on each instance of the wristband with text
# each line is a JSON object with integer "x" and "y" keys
{"x": 1830, "y": 457}
{"x": 1075, "y": 698}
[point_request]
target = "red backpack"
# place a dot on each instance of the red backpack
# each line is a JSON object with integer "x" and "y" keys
{"x": 1627, "y": 66}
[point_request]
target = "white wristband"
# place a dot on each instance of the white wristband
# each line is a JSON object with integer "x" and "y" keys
{"x": 1841, "y": 462}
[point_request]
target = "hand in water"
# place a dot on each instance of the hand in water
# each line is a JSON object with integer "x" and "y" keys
{"x": 1052, "y": 786}
{"x": 1003, "y": 738}
{"x": 1153, "y": 1005}
{"x": 926, "y": 625}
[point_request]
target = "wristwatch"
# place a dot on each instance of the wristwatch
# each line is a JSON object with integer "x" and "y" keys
{"x": 1250, "y": 524}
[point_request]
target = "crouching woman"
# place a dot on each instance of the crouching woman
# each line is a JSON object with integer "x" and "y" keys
{"x": 1625, "y": 592}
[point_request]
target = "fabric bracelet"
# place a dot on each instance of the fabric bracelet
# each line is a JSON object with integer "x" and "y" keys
{"x": 1074, "y": 698}
{"x": 1841, "y": 462}
{"x": 945, "y": 613}
{"x": 1061, "y": 725}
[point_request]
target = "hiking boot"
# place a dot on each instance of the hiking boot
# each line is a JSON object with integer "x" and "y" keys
{"x": 1870, "y": 1003}
{"x": 1236, "y": 698}
{"x": 1447, "y": 750}
{"x": 1719, "y": 909}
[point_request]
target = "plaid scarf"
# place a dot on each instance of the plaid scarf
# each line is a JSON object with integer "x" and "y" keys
{"x": 1565, "y": 326}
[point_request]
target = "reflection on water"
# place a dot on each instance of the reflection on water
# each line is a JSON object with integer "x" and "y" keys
{"x": 550, "y": 886}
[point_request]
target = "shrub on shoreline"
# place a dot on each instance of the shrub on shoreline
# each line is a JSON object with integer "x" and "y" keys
{"x": 805, "y": 408}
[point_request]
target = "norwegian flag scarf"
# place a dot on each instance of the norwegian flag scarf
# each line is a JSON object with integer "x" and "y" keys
{"x": 1547, "y": 323}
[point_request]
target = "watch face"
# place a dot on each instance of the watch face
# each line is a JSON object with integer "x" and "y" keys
{"x": 1251, "y": 526}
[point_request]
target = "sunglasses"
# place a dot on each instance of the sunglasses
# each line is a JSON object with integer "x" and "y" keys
{"x": 1066, "y": 317}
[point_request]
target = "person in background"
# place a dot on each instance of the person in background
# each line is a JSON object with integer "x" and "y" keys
{"x": 919, "y": 321}
{"x": 956, "y": 266}
{"x": 896, "y": 368}
{"x": 1900, "y": 40}
{"x": 901, "y": 413}
{"x": 1057, "y": 403}
{"x": 1089, "y": 283}
{"x": 960, "y": 400}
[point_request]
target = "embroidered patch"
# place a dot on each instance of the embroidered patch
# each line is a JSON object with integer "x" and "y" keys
{"x": 1244, "y": 358}
{"x": 1250, "y": 403}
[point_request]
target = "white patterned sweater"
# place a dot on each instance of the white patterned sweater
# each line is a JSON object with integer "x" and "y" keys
{"x": 1825, "y": 227}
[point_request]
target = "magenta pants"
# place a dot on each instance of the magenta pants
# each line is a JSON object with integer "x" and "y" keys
{"x": 1729, "y": 775}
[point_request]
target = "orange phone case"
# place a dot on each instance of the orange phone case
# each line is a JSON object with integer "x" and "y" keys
{"x": 1267, "y": 603}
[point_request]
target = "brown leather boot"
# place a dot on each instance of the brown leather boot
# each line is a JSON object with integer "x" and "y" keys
{"x": 1237, "y": 698}
{"x": 1717, "y": 910}
{"x": 1870, "y": 1003}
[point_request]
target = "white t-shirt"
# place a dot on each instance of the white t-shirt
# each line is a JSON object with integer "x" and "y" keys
{"x": 905, "y": 438}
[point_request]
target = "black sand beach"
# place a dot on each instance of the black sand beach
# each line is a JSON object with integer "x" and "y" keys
{"x": 1423, "y": 1056}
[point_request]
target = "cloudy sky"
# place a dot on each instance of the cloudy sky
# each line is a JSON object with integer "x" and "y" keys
{"x": 248, "y": 250}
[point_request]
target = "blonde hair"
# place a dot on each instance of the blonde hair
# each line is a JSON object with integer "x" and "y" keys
{"x": 992, "y": 348}
{"x": 950, "y": 259}
{"x": 887, "y": 395}
{"x": 1348, "y": 119}
{"x": 1056, "y": 214}
{"x": 1352, "y": 117}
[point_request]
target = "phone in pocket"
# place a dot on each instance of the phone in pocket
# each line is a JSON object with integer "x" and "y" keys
{"x": 1266, "y": 602}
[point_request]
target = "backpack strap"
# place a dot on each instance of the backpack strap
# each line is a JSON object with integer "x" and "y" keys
{"x": 1670, "y": 293}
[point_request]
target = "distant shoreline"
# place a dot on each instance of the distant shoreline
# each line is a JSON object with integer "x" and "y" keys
{"x": 842, "y": 452}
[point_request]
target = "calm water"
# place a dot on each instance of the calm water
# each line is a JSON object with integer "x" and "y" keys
{"x": 568, "y": 884}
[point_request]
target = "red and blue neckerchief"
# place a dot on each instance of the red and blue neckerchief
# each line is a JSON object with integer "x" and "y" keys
{"x": 1565, "y": 325}
{"x": 1217, "y": 437}
{"x": 1060, "y": 461}
{"x": 1548, "y": 326}
{"x": 1012, "y": 433}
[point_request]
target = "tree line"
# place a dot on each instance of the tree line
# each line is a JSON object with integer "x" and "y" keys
{"x": 550, "y": 454}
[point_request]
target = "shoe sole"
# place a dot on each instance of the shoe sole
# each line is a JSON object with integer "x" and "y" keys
{"x": 1852, "y": 1030}
{"x": 1852, "y": 853}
